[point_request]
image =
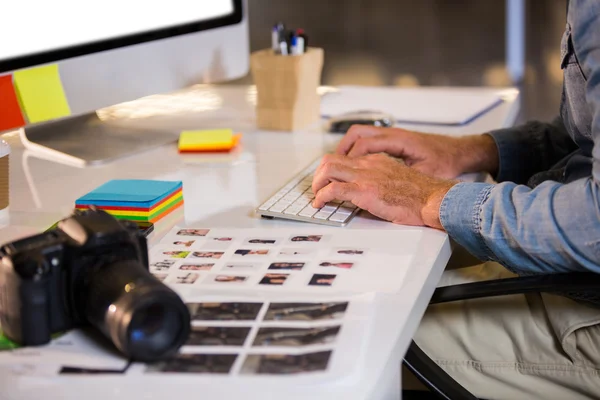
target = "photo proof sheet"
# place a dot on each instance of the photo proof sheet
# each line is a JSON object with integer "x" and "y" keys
{"x": 280, "y": 302}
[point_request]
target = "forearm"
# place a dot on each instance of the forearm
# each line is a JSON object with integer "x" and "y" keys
{"x": 478, "y": 153}
{"x": 552, "y": 228}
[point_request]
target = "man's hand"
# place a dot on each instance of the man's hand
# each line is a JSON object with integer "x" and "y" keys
{"x": 436, "y": 155}
{"x": 383, "y": 186}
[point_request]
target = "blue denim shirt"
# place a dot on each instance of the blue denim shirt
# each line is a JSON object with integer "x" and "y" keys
{"x": 543, "y": 216}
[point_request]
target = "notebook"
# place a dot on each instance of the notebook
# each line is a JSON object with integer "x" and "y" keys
{"x": 431, "y": 106}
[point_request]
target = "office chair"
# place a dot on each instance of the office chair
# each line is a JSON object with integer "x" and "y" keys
{"x": 443, "y": 386}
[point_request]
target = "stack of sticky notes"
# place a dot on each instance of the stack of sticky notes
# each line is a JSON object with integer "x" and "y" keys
{"x": 214, "y": 140}
{"x": 135, "y": 200}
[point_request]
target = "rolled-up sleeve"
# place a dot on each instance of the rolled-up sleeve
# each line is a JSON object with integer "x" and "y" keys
{"x": 552, "y": 228}
{"x": 530, "y": 148}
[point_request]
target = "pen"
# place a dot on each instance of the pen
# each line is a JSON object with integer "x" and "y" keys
{"x": 296, "y": 49}
{"x": 275, "y": 39}
{"x": 276, "y": 34}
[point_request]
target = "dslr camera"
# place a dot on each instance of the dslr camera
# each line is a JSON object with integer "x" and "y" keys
{"x": 91, "y": 270}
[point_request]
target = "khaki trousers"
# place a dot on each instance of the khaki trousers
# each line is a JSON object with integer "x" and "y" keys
{"x": 514, "y": 347}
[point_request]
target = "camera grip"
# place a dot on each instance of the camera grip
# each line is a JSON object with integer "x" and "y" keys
{"x": 35, "y": 313}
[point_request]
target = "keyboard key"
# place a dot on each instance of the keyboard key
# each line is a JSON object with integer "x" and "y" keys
{"x": 344, "y": 210}
{"x": 279, "y": 207}
{"x": 266, "y": 206}
{"x": 322, "y": 214}
{"x": 329, "y": 209}
{"x": 290, "y": 197}
{"x": 292, "y": 210}
{"x": 302, "y": 202}
{"x": 338, "y": 217}
{"x": 308, "y": 211}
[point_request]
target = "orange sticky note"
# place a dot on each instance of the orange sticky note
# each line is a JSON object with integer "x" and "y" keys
{"x": 10, "y": 112}
{"x": 41, "y": 93}
{"x": 215, "y": 147}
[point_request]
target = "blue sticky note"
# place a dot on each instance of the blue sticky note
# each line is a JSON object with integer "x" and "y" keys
{"x": 130, "y": 192}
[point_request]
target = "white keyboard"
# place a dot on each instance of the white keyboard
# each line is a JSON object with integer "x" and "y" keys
{"x": 294, "y": 201}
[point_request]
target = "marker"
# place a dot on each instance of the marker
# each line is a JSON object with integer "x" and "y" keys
{"x": 300, "y": 45}
{"x": 283, "y": 47}
{"x": 303, "y": 42}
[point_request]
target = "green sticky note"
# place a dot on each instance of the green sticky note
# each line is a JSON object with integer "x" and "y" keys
{"x": 6, "y": 344}
{"x": 41, "y": 94}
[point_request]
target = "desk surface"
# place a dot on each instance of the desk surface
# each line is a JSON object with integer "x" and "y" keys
{"x": 223, "y": 190}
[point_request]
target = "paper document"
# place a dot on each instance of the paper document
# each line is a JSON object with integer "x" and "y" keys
{"x": 434, "y": 106}
{"x": 264, "y": 304}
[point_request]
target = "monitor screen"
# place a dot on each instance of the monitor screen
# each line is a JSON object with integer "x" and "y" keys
{"x": 46, "y": 31}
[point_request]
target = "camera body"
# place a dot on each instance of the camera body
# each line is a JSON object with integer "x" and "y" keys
{"x": 90, "y": 269}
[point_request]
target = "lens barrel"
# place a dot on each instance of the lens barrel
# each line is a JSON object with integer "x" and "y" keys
{"x": 144, "y": 318}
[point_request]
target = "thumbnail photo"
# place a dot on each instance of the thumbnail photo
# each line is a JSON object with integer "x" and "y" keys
{"x": 229, "y": 279}
{"x": 161, "y": 265}
{"x": 217, "y": 336}
{"x": 196, "y": 267}
{"x": 337, "y": 264}
{"x": 305, "y": 311}
{"x": 186, "y": 243}
{"x": 221, "y": 242}
{"x": 346, "y": 251}
{"x": 221, "y": 239}
{"x": 68, "y": 370}
{"x": 185, "y": 279}
{"x": 322, "y": 280}
{"x": 296, "y": 252}
{"x": 193, "y": 232}
{"x": 251, "y": 252}
{"x": 224, "y": 311}
{"x": 195, "y": 363}
{"x": 207, "y": 254}
{"x": 291, "y": 266}
{"x": 273, "y": 279}
{"x": 285, "y": 364}
{"x": 161, "y": 276}
{"x": 296, "y": 336}
{"x": 176, "y": 253}
{"x": 267, "y": 241}
{"x": 239, "y": 267}
{"x": 307, "y": 238}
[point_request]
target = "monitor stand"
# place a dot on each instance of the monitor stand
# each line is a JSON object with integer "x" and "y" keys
{"x": 85, "y": 140}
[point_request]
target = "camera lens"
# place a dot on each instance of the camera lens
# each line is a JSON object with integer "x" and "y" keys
{"x": 144, "y": 318}
{"x": 152, "y": 328}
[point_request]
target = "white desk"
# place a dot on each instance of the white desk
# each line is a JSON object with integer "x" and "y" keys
{"x": 223, "y": 194}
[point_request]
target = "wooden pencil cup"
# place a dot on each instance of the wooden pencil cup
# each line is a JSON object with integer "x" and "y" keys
{"x": 287, "y": 98}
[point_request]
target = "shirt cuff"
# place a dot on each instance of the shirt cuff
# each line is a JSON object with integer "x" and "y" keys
{"x": 460, "y": 216}
{"x": 513, "y": 147}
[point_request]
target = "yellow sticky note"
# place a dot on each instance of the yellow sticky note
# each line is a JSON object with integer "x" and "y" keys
{"x": 41, "y": 93}
{"x": 206, "y": 139}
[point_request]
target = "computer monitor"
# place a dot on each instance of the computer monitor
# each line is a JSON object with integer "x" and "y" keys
{"x": 116, "y": 51}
